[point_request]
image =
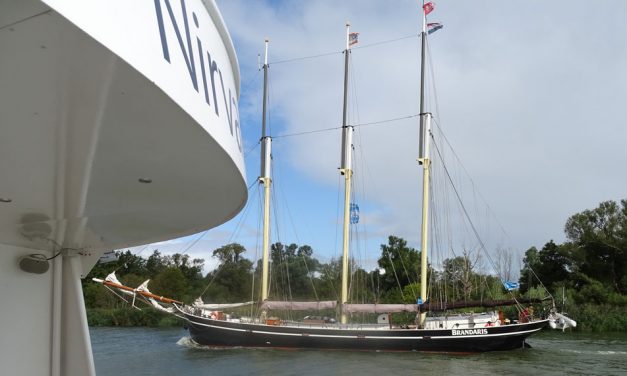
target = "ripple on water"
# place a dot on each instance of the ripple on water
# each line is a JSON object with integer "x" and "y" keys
{"x": 172, "y": 351}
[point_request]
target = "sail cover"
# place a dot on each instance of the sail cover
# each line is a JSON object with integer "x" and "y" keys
{"x": 299, "y": 306}
{"x": 198, "y": 303}
{"x": 160, "y": 307}
{"x": 379, "y": 308}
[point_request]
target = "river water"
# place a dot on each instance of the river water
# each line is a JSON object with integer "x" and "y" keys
{"x": 146, "y": 351}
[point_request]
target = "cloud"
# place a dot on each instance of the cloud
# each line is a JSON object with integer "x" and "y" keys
{"x": 529, "y": 94}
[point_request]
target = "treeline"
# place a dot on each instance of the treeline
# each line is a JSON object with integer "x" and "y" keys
{"x": 295, "y": 274}
{"x": 589, "y": 270}
{"x": 176, "y": 276}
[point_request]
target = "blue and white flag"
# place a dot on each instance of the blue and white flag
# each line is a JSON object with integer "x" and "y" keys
{"x": 354, "y": 208}
{"x": 510, "y": 285}
{"x": 433, "y": 27}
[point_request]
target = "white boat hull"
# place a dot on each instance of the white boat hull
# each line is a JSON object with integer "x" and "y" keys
{"x": 108, "y": 140}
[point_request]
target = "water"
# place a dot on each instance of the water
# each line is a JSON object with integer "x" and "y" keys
{"x": 145, "y": 351}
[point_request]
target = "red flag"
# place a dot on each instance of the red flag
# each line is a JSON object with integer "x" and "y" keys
{"x": 428, "y": 7}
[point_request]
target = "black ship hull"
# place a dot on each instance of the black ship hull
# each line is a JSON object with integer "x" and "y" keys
{"x": 219, "y": 333}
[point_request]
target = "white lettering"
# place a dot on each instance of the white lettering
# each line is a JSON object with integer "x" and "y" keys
{"x": 466, "y": 332}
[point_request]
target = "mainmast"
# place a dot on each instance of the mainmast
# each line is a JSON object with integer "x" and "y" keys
{"x": 346, "y": 170}
{"x": 423, "y": 159}
{"x": 266, "y": 146}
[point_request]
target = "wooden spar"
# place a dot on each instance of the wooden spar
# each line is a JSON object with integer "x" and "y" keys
{"x": 142, "y": 293}
{"x": 346, "y": 170}
{"x": 434, "y": 307}
{"x": 423, "y": 159}
{"x": 266, "y": 144}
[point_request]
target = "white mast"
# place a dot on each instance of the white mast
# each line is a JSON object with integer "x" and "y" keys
{"x": 423, "y": 159}
{"x": 346, "y": 170}
{"x": 266, "y": 146}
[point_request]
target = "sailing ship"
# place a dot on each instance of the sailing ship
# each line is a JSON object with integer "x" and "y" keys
{"x": 462, "y": 333}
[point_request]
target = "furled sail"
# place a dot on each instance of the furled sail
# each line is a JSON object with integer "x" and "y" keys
{"x": 144, "y": 288}
{"x": 443, "y": 306}
{"x": 379, "y": 308}
{"x": 198, "y": 303}
{"x": 160, "y": 307}
{"x": 299, "y": 306}
{"x": 114, "y": 279}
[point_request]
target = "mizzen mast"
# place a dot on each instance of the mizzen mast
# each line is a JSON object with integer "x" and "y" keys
{"x": 346, "y": 170}
{"x": 423, "y": 159}
{"x": 264, "y": 178}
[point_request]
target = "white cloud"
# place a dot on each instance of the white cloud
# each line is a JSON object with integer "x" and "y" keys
{"x": 530, "y": 95}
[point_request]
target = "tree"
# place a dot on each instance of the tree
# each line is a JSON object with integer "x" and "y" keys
{"x": 156, "y": 263}
{"x": 232, "y": 280}
{"x": 305, "y": 251}
{"x": 458, "y": 272}
{"x": 171, "y": 283}
{"x": 531, "y": 262}
{"x": 601, "y": 236}
{"x": 292, "y": 271}
{"x": 551, "y": 265}
{"x": 400, "y": 262}
{"x": 229, "y": 254}
{"x": 128, "y": 263}
{"x": 329, "y": 281}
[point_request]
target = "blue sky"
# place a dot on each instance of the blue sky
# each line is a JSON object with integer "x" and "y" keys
{"x": 530, "y": 94}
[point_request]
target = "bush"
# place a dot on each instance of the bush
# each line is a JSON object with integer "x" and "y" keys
{"x": 599, "y": 318}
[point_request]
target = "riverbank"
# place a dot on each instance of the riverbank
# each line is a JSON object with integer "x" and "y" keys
{"x": 599, "y": 318}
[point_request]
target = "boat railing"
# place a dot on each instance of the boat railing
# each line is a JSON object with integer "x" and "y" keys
{"x": 360, "y": 326}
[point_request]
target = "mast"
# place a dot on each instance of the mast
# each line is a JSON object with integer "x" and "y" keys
{"x": 345, "y": 169}
{"x": 423, "y": 159}
{"x": 266, "y": 147}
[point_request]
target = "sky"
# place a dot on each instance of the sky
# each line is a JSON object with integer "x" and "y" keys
{"x": 529, "y": 94}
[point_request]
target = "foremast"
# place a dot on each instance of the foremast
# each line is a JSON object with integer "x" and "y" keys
{"x": 265, "y": 179}
{"x": 425, "y": 161}
{"x": 346, "y": 170}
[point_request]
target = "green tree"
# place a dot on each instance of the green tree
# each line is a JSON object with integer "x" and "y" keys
{"x": 601, "y": 236}
{"x": 229, "y": 254}
{"x": 293, "y": 270}
{"x": 232, "y": 280}
{"x": 170, "y": 283}
{"x": 400, "y": 262}
{"x": 531, "y": 262}
{"x": 156, "y": 263}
